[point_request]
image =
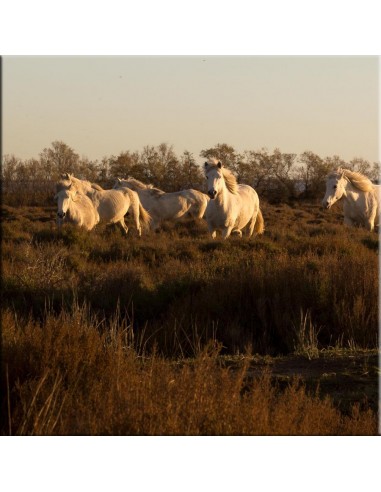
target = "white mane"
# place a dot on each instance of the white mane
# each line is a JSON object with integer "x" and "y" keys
{"x": 139, "y": 185}
{"x": 356, "y": 179}
{"x": 82, "y": 185}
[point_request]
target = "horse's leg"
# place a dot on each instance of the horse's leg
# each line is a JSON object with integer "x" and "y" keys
{"x": 212, "y": 231}
{"x": 252, "y": 224}
{"x": 226, "y": 232}
{"x": 348, "y": 221}
{"x": 123, "y": 224}
{"x": 199, "y": 211}
{"x": 136, "y": 215}
{"x": 155, "y": 224}
{"x": 134, "y": 203}
{"x": 369, "y": 224}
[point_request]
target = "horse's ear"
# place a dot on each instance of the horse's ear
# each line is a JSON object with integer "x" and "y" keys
{"x": 219, "y": 164}
{"x": 65, "y": 176}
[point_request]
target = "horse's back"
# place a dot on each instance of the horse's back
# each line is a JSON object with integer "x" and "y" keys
{"x": 112, "y": 204}
{"x": 247, "y": 190}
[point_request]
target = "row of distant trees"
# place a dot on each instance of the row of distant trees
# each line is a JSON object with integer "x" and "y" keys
{"x": 275, "y": 175}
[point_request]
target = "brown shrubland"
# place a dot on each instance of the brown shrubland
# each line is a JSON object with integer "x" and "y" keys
{"x": 68, "y": 376}
{"x": 103, "y": 334}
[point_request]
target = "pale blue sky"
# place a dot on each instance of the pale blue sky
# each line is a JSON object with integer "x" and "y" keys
{"x": 101, "y": 106}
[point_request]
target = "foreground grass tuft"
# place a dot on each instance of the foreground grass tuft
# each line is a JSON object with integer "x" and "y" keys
{"x": 71, "y": 375}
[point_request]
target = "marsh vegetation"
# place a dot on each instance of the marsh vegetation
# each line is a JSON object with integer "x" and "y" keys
{"x": 176, "y": 333}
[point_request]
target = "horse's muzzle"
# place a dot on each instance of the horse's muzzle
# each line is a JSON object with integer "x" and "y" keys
{"x": 212, "y": 194}
{"x": 61, "y": 215}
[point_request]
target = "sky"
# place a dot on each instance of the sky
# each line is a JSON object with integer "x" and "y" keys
{"x": 104, "y": 105}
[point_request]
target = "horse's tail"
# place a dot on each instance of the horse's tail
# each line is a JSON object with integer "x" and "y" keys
{"x": 145, "y": 217}
{"x": 259, "y": 227}
{"x": 139, "y": 212}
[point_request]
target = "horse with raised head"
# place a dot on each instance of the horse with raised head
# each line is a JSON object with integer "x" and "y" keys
{"x": 166, "y": 206}
{"x": 361, "y": 197}
{"x": 232, "y": 206}
{"x": 111, "y": 205}
{"x": 76, "y": 208}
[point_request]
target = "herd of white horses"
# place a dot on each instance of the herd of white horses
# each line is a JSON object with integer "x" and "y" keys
{"x": 228, "y": 207}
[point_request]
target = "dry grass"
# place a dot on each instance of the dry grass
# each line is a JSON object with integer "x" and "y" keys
{"x": 69, "y": 375}
{"x": 181, "y": 289}
{"x": 112, "y": 367}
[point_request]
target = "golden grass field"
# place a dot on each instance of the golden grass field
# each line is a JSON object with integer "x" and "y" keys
{"x": 175, "y": 333}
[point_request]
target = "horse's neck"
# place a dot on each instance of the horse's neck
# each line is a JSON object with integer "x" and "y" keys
{"x": 223, "y": 198}
{"x": 351, "y": 194}
{"x": 137, "y": 185}
{"x": 95, "y": 195}
{"x": 73, "y": 210}
{"x": 356, "y": 202}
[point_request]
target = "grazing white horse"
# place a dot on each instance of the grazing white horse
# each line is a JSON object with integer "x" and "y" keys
{"x": 76, "y": 208}
{"x": 360, "y": 196}
{"x": 232, "y": 206}
{"x": 166, "y": 206}
{"x": 111, "y": 205}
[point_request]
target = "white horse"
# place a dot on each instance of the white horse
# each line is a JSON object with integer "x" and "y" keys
{"x": 360, "y": 196}
{"x": 232, "y": 206}
{"x": 76, "y": 208}
{"x": 166, "y": 206}
{"x": 111, "y": 205}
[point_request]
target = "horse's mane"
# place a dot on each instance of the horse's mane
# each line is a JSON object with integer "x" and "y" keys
{"x": 356, "y": 179}
{"x": 142, "y": 186}
{"x": 230, "y": 179}
{"x": 68, "y": 179}
{"x": 138, "y": 184}
{"x": 156, "y": 191}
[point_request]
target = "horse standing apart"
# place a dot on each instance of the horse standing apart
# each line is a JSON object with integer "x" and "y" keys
{"x": 166, "y": 206}
{"x": 76, "y": 208}
{"x": 232, "y": 206}
{"x": 361, "y": 197}
{"x": 111, "y": 205}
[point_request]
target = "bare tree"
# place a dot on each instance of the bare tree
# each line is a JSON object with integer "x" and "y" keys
{"x": 225, "y": 153}
{"x": 57, "y": 159}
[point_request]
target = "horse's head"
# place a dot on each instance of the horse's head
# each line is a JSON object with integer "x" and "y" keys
{"x": 117, "y": 184}
{"x": 63, "y": 198}
{"x": 215, "y": 179}
{"x": 335, "y": 188}
{"x": 66, "y": 176}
